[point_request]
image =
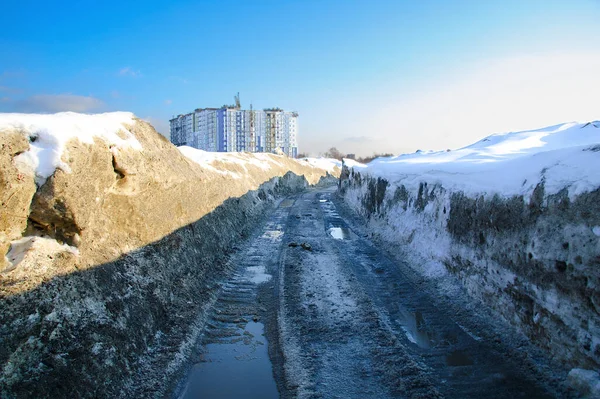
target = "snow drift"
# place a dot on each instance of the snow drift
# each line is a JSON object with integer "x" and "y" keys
{"x": 514, "y": 217}
{"x": 110, "y": 239}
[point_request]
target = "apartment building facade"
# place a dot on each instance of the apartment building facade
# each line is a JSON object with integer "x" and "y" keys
{"x": 231, "y": 129}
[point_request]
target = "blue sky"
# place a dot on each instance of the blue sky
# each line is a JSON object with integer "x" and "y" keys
{"x": 364, "y": 75}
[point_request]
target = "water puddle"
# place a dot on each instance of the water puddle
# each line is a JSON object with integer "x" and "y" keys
{"x": 418, "y": 331}
{"x": 340, "y": 233}
{"x": 238, "y": 368}
{"x": 458, "y": 358}
{"x": 322, "y": 200}
{"x": 257, "y": 274}
{"x": 414, "y": 326}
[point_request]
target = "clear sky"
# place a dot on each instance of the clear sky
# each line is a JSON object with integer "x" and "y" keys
{"x": 387, "y": 76}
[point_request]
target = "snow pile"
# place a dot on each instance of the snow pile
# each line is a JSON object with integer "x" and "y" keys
{"x": 215, "y": 161}
{"x": 351, "y": 163}
{"x": 513, "y": 218}
{"x": 562, "y": 156}
{"x": 49, "y": 134}
{"x": 208, "y": 160}
{"x": 328, "y": 164}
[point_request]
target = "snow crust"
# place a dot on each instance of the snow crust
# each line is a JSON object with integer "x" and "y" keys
{"x": 328, "y": 164}
{"x": 563, "y": 156}
{"x": 351, "y": 163}
{"x": 49, "y": 133}
{"x": 207, "y": 160}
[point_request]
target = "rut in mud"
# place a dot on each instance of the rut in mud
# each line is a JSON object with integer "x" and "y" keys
{"x": 340, "y": 318}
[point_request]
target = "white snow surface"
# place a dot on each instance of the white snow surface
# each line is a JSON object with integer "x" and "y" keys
{"x": 49, "y": 134}
{"x": 564, "y": 156}
{"x": 206, "y": 159}
{"x": 328, "y": 164}
{"x": 351, "y": 163}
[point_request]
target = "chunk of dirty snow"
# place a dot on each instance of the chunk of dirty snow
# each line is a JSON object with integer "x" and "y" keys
{"x": 19, "y": 249}
{"x": 562, "y": 156}
{"x": 596, "y": 230}
{"x": 586, "y": 382}
{"x": 49, "y": 134}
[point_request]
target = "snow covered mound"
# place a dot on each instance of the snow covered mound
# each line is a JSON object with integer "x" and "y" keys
{"x": 514, "y": 218}
{"x": 351, "y": 163}
{"x": 566, "y": 155}
{"x": 216, "y": 160}
{"x": 329, "y": 164}
{"x": 49, "y": 134}
{"x": 120, "y": 225}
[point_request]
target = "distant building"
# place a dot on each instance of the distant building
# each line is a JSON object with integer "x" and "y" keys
{"x": 232, "y": 129}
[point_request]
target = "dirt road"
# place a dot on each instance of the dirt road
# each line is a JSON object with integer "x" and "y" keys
{"x": 313, "y": 309}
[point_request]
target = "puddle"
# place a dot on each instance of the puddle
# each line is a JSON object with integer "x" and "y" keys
{"x": 238, "y": 368}
{"x": 458, "y": 358}
{"x": 421, "y": 334}
{"x": 414, "y": 326}
{"x": 322, "y": 200}
{"x": 257, "y": 274}
{"x": 340, "y": 233}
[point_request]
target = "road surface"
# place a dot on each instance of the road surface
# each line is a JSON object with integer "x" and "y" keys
{"x": 314, "y": 309}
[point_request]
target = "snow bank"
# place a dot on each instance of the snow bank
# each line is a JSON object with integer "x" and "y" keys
{"x": 329, "y": 164}
{"x": 514, "y": 218}
{"x": 209, "y": 160}
{"x": 508, "y": 164}
{"x": 49, "y": 134}
{"x": 351, "y": 163}
{"x": 125, "y": 234}
{"x": 215, "y": 161}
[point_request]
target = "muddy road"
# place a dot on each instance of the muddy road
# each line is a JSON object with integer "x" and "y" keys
{"x": 313, "y": 308}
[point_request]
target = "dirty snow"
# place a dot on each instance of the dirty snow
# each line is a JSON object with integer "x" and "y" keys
{"x": 20, "y": 249}
{"x": 207, "y": 159}
{"x": 49, "y": 134}
{"x": 596, "y": 230}
{"x": 587, "y": 382}
{"x": 565, "y": 155}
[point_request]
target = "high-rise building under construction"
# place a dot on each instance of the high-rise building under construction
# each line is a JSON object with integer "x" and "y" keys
{"x": 230, "y": 128}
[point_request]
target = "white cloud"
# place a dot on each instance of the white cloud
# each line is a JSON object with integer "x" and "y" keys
{"x": 47, "y": 103}
{"x": 128, "y": 71}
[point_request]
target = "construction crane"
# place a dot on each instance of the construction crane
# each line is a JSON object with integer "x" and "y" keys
{"x": 237, "y": 101}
